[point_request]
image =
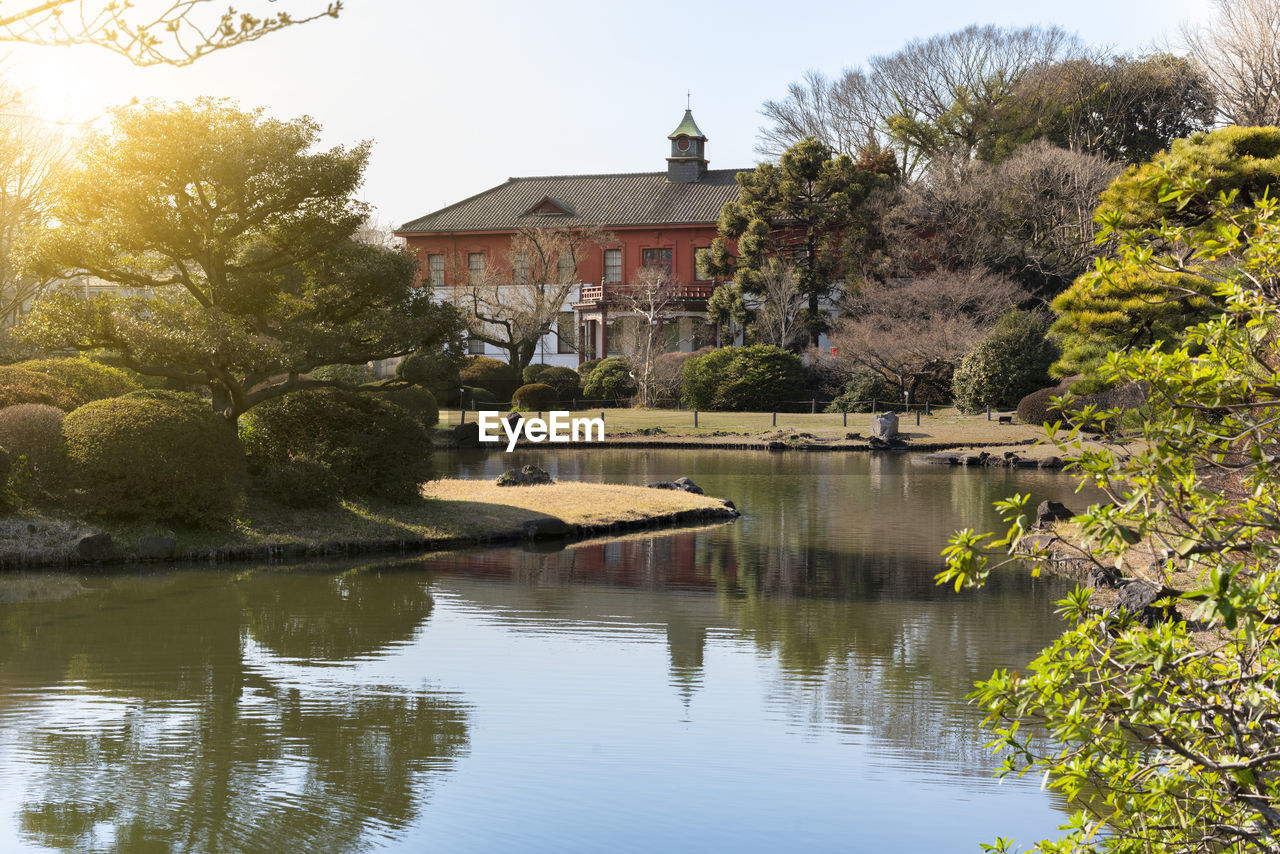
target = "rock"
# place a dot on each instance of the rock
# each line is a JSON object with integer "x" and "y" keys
{"x": 940, "y": 459}
{"x": 527, "y": 476}
{"x": 1051, "y": 463}
{"x": 682, "y": 483}
{"x": 776, "y": 446}
{"x": 547, "y": 526}
{"x": 156, "y": 548}
{"x": 1107, "y": 577}
{"x": 972, "y": 460}
{"x": 96, "y": 547}
{"x": 467, "y": 435}
{"x": 853, "y": 436}
{"x": 884, "y": 426}
{"x": 727, "y": 503}
{"x": 1138, "y": 598}
{"x": 1051, "y": 511}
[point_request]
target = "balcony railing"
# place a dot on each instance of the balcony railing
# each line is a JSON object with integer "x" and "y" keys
{"x": 615, "y": 291}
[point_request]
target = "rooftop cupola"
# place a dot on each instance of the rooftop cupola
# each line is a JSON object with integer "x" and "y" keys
{"x": 688, "y": 160}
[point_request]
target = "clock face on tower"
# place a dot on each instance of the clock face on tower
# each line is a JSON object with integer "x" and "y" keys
{"x": 682, "y": 143}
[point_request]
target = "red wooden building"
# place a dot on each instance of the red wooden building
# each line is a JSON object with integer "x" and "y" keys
{"x": 666, "y": 219}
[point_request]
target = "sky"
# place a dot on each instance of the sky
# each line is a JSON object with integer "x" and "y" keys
{"x": 458, "y": 96}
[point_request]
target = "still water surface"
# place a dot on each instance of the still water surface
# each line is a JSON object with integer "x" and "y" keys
{"x": 791, "y": 681}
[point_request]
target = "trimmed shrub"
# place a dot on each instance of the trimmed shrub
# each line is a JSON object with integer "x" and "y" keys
{"x": 32, "y": 434}
{"x": 565, "y": 381}
{"x": 531, "y": 373}
{"x": 89, "y": 380}
{"x": 187, "y": 398}
{"x": 161, "y": 460}
{"x": 1036, "y": 408}
{"x": 535, "y": 397}
{"x": 859, "y": 392}
{"x": 585, "y": 369}
{"x": 349, "y": 374}
{"x": 759, "y": 377}
{"x": 475, "y": 397}
{"x": 610, "y": 380}
{"x": 371, "y": 447}
{"x": 491, "y": 374}
{"x": 418, "y": 402}
{"x": 302, "y": 482}
{"x": 1008, "y": 364}
{"x": 18, "y": 385}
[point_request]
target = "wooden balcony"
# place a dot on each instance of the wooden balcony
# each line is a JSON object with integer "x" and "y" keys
{"x": 612, "y": 292}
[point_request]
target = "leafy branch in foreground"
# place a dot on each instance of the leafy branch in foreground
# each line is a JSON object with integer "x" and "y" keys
{"x": 1167, "y": 738}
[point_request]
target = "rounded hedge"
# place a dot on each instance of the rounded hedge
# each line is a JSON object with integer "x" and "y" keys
{"x": 161, "y": 460}
{"x": 759, "y": 377}
{"x": 491, "y": 374}
{"x": 32, "y": 434}
{"x": 610, "y": 380}
{"x": 88, "y": 379}
{"x": 862, "y": 389}
{"x": 434, "y": 372}
{"x": 585, "y": 368}
{"x": 371, "y": 447}
{"x": 535, "y": 397}
{"x": 1008, "y": 364}
{"x": 565, "y": 381}
{"x": 349, "y": 374}
{"x": 1036, "y": 407}
{"x": 418, "y": 402}
{"x": 19, "y": 385}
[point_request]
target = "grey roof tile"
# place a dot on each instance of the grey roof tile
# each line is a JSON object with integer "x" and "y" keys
{"x": 637, "y": 198}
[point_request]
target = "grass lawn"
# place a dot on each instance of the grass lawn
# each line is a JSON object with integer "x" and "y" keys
{"x": 449, "y": 509}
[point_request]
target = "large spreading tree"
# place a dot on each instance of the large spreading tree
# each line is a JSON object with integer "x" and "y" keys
{"x": 804, "y": 211}
{"x": 233, "y": 243}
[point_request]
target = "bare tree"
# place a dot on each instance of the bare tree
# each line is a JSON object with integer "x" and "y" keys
{"x": 780, "y": 308}
{"x": 916, "y": 329}
{"x": 1239, "y": 54}
{"x": 30, "y": 154}
{"x": 148, "y": 32}
{"x": 517, "y": 297}
{"x": 650, "y": 299}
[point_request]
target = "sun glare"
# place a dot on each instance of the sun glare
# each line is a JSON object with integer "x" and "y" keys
{"x": 65, "y": 86}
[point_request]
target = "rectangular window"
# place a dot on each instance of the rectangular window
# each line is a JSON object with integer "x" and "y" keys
{"x": 671, "y": 335}
{"x": 660, "y": 258}
{"x": 617, "y": 329}
{"x": 474, "y": 347}
{"x": 435, "y": 270}
{"x": 702, "y": 264}
{"x": 566, "y": 333}
{"x": 475, "y": 265}
{"x": 613, "y": 265}
{"x": 566, "y": 268}
{"x": 520, "y": 268}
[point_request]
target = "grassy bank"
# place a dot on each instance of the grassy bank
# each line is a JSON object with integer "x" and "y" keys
{"x": 450, "y": 514}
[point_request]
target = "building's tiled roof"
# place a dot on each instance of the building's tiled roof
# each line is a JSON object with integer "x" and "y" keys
{"x": 638, "y": 198}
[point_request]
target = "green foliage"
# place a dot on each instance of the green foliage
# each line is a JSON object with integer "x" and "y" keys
{"x": 474, "y": 397}
{"x": 89, "y": 380}
{"x": 585, "y": 369}
{"x": 354, "y": 375}
{"x": 798, "y": 210}
{"x": 1038, "y": 406}
{"x": 493, "y": 375}
{"x": 759, "y": 377}
{"x": 371, "y": 447}
{"x": 610, "y": 379}
{"x": 245, "y": 236}
{"x": 32, "y": 434}
{"x": 1009, "y": 363}
{"x": 18, "y": 385}
{"x": 535, "y": 397}
{"x": 565, "y": 381}
{"x": 863, "y": 388}
{"x": 418, "y": 402}
{"x": 163, "y": 460}
{"x": 435, "y": 371}
{"x": 1164, "y": 737}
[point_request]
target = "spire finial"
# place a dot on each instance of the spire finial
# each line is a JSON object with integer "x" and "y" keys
{"x": 688, "y": 99}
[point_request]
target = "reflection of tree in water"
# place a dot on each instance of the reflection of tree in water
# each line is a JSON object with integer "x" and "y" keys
{"x": 181, "y": 745}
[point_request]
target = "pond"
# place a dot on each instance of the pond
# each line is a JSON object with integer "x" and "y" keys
{"x": 790, "y": 681}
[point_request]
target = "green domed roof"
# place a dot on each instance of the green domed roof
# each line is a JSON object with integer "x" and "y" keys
{"x": 688, "y": 127}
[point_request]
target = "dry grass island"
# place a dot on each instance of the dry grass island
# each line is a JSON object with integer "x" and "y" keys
{"x": 450, "y": 514}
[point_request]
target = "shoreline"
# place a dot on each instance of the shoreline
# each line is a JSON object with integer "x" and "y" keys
{"x": 454, "y": 519}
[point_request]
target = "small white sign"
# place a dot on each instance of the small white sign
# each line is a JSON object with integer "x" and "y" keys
{"x": 559, "y": 428}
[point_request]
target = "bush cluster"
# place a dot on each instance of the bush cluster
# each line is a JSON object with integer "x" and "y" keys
{"x": 18, "y": 385}
{"x": 369, "y": 447}
{"x": 32, "y": 434}
{"x": 349, "y": 374}
{"x": 148, "y": 458}
{"x": 494, "y": 376}
{"x": 759, "y": 377}
{"x": 87, "y": 379}
{"x": 535, "y": 397}
{"x": 1009, "y": 363}
{"x": 418, "y": 402}
{"x": 585, "y": 369}
{"x": 862, "y": 389}
{"x": 565, "y": 381}
{"x": 610, "y": 380}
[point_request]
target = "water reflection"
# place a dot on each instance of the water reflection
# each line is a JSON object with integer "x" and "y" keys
{"x": 159, "y": 713}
